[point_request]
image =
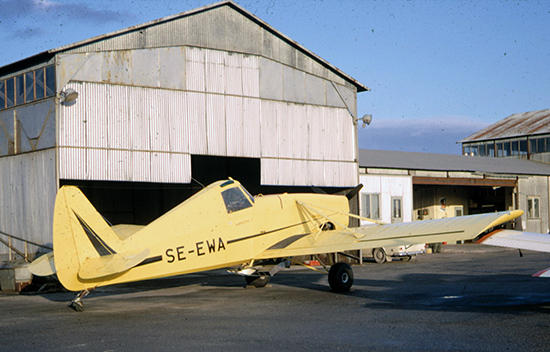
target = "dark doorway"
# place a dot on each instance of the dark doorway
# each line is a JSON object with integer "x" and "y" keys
{"x": 206, "y": 169}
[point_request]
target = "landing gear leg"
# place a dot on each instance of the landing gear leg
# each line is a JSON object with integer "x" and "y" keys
{"x": 76, "y": 303}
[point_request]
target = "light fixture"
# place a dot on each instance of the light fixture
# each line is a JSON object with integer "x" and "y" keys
{"x": 367, "y": 119}
{"x": 68, "y": 96}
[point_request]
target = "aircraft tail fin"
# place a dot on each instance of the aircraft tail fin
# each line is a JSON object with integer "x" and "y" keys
{"x": 86, "y": 247}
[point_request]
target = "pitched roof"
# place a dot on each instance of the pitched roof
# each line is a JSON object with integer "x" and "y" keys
{"x": 48, "y": 53}
{"x": 447, "y": 162}
{"x": 516, "y": 125}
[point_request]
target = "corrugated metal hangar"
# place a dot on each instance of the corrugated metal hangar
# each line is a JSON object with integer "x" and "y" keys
{"x": 140, "y": 117}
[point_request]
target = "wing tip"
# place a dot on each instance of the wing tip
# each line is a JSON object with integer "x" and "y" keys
{"x": 542, "y": 273}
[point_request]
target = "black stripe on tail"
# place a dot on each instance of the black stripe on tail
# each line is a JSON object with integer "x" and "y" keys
{"x": 100, "y": 246}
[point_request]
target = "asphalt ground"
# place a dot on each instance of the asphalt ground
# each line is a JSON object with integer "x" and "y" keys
{"x": 468, "y": 298}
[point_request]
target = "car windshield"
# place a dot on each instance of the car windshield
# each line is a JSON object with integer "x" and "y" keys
{"x": 235, "y": 200}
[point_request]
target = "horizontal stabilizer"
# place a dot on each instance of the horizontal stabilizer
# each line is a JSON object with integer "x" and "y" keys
{"x": 111, "y": 264}
{"x": 516, "y": 239}
{"x": 43, "y": 266}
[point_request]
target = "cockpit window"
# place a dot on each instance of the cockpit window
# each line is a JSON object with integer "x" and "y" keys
{"x": 235, "y": 200}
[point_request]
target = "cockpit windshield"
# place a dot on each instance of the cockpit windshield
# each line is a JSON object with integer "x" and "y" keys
{"x": 235, "y": 200}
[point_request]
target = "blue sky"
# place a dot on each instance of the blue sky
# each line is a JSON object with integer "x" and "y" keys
{"x": 438, "y": 70}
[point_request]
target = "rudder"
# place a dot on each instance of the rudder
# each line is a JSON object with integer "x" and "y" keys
{"x": 79, "y": 233}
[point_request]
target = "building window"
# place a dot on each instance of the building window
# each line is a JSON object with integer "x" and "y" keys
{"x": 27, "y": 87}
{"x": 2, "y": 94}
{"x": 396, "y": 208}
{"x": 50, "y": 81}
{"x": 19, "y": 90}
{"x": 39, "y": 82}
{"x": 482, "y": 149}
{"x": 538, "y": 145}
{"x": 10, "y": 92}
{"x": 371, "y": 206}
{"x": 515, "y": 147}
{"x": 491, "y": 149}
{"x": 523, "y": 147}
{"x": 533, "y": 207}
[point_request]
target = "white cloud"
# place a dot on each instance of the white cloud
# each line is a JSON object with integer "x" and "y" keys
{"x": 433, "y": 135}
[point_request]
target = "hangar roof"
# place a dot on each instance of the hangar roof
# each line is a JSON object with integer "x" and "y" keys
{"x": 446, "y": 162}
{"x": 516, "y": 125}
{"x": 49, "y": 53}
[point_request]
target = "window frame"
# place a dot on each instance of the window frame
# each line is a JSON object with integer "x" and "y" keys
{"x": 367, "y": 210}
{"x": 533, "y": 207}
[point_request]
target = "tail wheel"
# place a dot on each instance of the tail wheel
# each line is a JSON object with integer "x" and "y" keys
{"x": 257, "y": 281}
{"x": 340, "y": 277}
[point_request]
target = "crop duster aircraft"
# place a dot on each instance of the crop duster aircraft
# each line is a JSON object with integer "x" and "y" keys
{"x": 223, "y": 226}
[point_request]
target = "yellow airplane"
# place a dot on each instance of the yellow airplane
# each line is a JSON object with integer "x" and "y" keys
{"x": 223, "y": 226}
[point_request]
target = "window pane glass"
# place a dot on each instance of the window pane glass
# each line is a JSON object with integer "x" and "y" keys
{"x": 19, "y": 90}
{"x": 396, "y": 208}
{"x": 50, "y": 81}
{"x": 10, "y": 92}
{"x": 515, "y": 147}
{"x": 39, "y": 76}
{"x": 29, "y": 86}
{"x": 482, "y": 150}
{"x": 533, "y": 146}
{"x": 523, "y": 147}
{"x": 500, "y": 151}
{"x": 2, "y": 94}
{"x": 366, "y": 206}
{"x": 375, "y": 207}
{"x": 235, "y": 200}
{"x": 536, "y": 207}
{"x": 540, "y": 145}
{"x": 473, "y": 150}
{"x": 547, "y": 145}
{"x": 506, "y": 148}
{"x": 491, "y": 149}
{"x": 466, "y": 150}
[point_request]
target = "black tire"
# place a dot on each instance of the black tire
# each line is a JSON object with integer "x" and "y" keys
{"x": 379, "y": 255}
{"x": 340, "y": 277}
{"x": 257, "y": 281}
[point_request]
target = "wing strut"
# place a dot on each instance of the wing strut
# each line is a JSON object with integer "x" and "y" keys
{"x": 309, "y": 207}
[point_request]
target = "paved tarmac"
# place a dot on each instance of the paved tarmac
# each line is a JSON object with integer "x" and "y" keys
{"x": 468, "y": 298}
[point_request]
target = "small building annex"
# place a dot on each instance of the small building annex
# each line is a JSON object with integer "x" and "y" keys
{"x": 408, "y": 186}
{"x": 141, "y": 117}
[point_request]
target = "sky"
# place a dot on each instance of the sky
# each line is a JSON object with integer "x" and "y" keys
{"x": 439, "y": 70}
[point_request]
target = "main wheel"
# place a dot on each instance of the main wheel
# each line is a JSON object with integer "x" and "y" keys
{"x": 257, "y": 281}
{"x": 340, "y": 277}
{"x": 379, "y": 255}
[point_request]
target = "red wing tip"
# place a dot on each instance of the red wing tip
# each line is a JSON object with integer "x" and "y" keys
{"x": 482, "y": 239}
{"x": 541, "y": 273}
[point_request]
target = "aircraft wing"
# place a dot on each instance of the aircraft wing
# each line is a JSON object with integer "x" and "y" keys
{"x": 516, "y": 239}
{"x": 427, "y": 231}
{"x": 539, "y": 242}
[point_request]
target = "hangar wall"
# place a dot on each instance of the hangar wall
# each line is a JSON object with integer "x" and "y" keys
{"x": 27, "y": 193}
{"x": 296, "y": 123}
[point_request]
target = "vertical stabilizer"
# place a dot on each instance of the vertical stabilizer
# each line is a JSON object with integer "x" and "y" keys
{"x": 79, "y": 234}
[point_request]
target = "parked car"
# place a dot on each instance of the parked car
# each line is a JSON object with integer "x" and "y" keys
{"x": 386, "y": 254}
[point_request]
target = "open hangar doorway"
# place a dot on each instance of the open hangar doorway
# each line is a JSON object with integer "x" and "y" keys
{"x": 443, "y": 198}
{"x": 124, "y": 202}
